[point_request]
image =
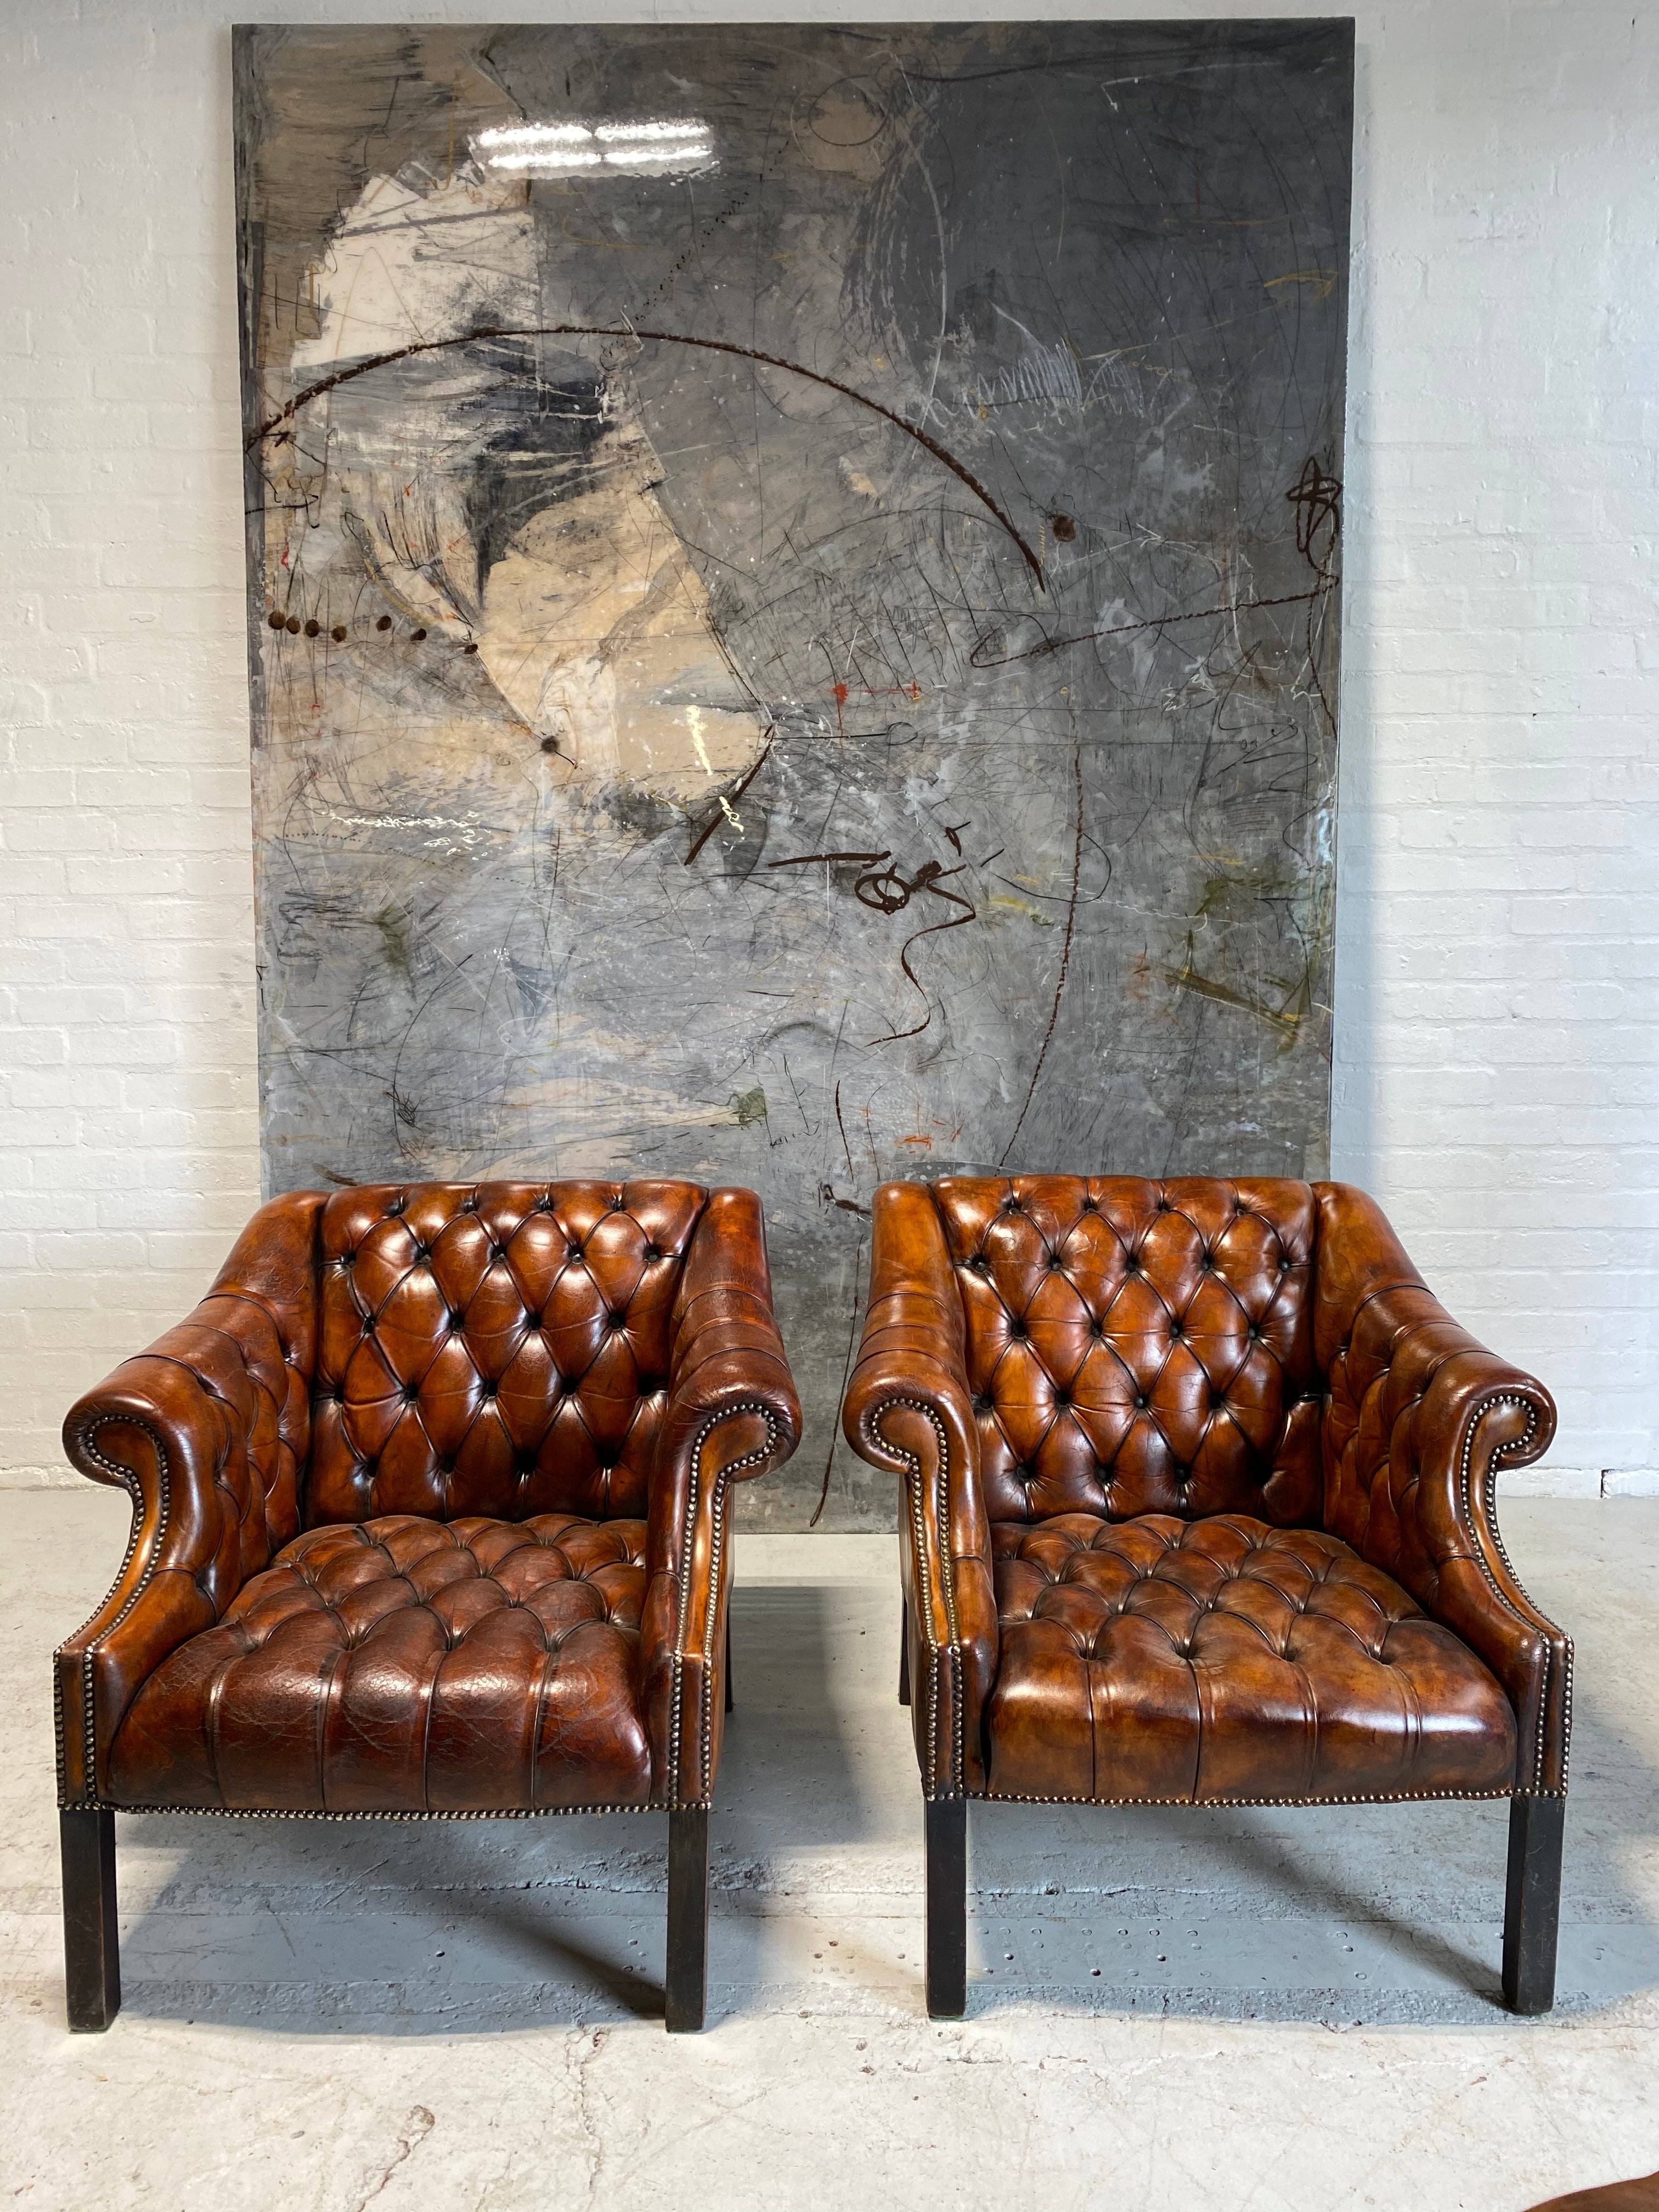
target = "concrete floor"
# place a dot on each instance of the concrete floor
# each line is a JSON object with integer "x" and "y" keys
{"x": 1260, "y": 2008}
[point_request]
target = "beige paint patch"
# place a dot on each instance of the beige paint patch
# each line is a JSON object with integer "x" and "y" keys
{"x": 594, "y": 626}
{"x": 597, "y": 628}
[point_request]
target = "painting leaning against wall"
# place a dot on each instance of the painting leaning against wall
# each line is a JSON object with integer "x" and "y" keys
{"x": 794, "y": 598}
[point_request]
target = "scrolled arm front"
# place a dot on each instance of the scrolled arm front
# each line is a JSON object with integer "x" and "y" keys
{"x": 1419, "y": 1418}
{"x": 732, "y": 1413}
{"x": 908, "y": 1408}
{"x": 206, "y": 1430}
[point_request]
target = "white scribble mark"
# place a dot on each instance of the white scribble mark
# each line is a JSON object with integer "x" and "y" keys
{"x": 694, "y": 717}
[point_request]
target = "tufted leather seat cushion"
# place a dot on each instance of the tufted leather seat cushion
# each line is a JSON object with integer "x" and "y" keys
{"x": 403, "y": 1664}
{"x": 1224, "y": 1660}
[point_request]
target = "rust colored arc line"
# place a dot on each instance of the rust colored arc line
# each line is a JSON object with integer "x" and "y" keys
{"x": 940, "y": 454}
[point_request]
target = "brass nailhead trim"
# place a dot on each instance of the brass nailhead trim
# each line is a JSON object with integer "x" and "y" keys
{"x": 308, "y": 1813}
{"x": 717, "y": 1542}
{"x": 129, "y": 1482}
{"x": 943, "y": 1661}
{"x": 1201, "y": 1804}
{"x": 1489, "y": 1506}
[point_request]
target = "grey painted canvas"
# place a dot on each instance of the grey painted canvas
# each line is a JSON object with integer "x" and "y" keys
{"x": 793, "y": 599}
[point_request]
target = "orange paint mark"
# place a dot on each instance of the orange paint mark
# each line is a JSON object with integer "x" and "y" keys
{"x": 926, "y": 1141}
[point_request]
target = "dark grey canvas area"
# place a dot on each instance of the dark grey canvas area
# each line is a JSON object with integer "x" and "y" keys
{"x": 794, "y": 581}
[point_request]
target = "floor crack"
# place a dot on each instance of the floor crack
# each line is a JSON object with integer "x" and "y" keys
{"x": 416, "y": 2128}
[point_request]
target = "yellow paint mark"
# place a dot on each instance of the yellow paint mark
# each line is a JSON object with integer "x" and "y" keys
{"x": 1201, "y": 987}
{"x": 693, "y": 718}
{"x": 1323, "y": 282}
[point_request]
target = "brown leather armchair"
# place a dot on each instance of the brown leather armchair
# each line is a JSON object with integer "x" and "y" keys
{"x": 430, "y": 1511}
{"x": 1198, "y": 1511}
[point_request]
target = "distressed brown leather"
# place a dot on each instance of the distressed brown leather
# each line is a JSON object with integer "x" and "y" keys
{"x": 1198, "y": 1499}
{"x": 430, "y": 1499}
{"x": 409, "y": 1665}
{"x": 1219, "y": 1660}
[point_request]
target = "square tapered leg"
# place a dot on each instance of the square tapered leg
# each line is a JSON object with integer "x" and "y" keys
{"x": 1532, "y": 1909}
{"x": 91, "y": 1943}
{"x": 947, "y": 1908}
{"x": 688, "y": 1919}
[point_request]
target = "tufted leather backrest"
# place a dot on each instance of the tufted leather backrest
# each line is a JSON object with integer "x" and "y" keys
{"x": 494, "y": 1348}
{"x": 1138, "y": 1347}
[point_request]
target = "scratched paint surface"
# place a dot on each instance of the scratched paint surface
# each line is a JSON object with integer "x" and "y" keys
{"x": 805, "y": 662}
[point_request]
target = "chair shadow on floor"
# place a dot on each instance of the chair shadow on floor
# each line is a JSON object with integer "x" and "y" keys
{"x": 473, "y": 1926}
{"x": 564, "y": 1916}
{"x": 1418, "y": 1875}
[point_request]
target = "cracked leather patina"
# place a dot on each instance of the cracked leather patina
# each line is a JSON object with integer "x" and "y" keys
{"x": 431, "y": 1506}
{"x": 1198, "y": 1499}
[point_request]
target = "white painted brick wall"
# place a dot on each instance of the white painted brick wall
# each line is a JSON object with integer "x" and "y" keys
{"x": 1498, "y": 1003}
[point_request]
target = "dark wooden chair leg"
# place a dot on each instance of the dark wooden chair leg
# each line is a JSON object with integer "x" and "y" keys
{"x": 688, "y": 1919}
{"x": 947, "y": 1908}
{"x": 92, "y": 1941}
{"x": 904, "y": 1652}
{"x": 1532, "y": 1908}
{"x": 728, "y": 1662}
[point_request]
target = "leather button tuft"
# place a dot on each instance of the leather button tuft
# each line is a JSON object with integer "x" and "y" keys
{"x": 573, "y": 1251}
{"x": 618, "y": 1321}
{"x": 490, "y": 1389}
{"x": 653, "y": 1252}
{"x": 984, "y": 1404}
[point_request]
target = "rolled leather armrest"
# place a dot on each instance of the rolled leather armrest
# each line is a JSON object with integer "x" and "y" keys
{"x": 207, "y": 1431}
{"x": 908, "y": 1408}
{"x": 1421, "y": 1417}
{"x": 732, "y": 1413}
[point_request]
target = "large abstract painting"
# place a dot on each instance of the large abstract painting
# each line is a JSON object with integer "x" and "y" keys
{"x": 794, "y": 581}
